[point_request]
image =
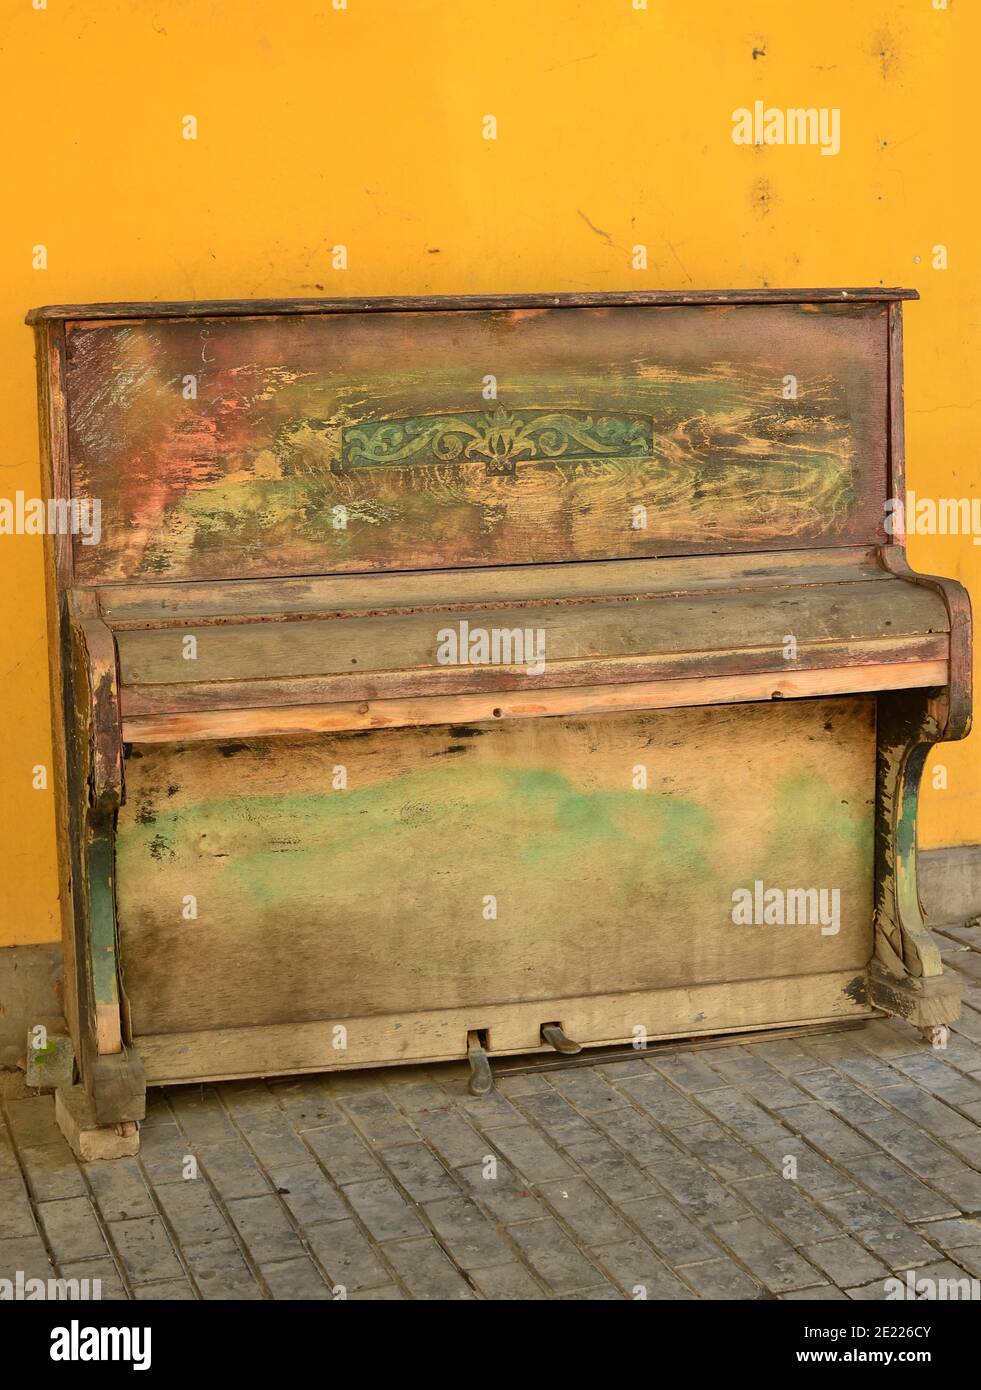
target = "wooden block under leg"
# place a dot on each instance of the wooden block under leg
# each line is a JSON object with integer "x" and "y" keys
{"x": 89, "y": 1140}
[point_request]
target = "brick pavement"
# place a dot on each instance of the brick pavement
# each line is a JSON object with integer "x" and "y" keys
{"x": 810, "y": 1168}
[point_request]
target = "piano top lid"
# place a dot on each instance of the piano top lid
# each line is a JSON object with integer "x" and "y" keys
{"x": 238, "y": 308}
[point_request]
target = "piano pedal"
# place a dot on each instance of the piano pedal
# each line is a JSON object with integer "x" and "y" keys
{"x": 481, "y": 1079}
{"x": 553, "y": 1035}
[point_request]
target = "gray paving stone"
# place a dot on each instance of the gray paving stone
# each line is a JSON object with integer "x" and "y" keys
{"x": 510, "y": 1281}
{"x": 220, "y": 1272}
{"x": 826, "y": 1132}
{"x": 232, "y": 1170}
{"x": 581, "y": 1208}
{"x": 9, "y": 1167}
{"x": 823, "y": 1293}
{"x": 201, "y": 1115}
{"x": 601, "y": 1293}
{"x": 71, "y": 1229}
{"x": 111, "y": 1286}
{"x": 952, "y": 1235}
{"x": 420, "y": 1173}
{"x": 507, "y": 1196}
{"x": 861, "y": 1066}
{"x": 467, "y": 1234}
{"x": 928, "y": 1112}
{"x": 378, "y": 1119}
{"x": 296, "y": 1278}
{"x": 306, "y": 1103}
{"x": 144, "y": 1250}
{"x": 556, "y": 1116}
{"x": 742, "y": 1114}
{"x": 52, "y": 1172}
{"x": 343, "y": 1153}
{"x": 164, "y": 1151}
{"x": 785, "y": 1056}
{"x": 346, "y": 1255}
{"x": 869, "y": 1293}
{"x": 249, "y": 1100}
{"x": 690, "y": 1073}
{"x": 32, "y": 1122}
{"x": 16, "y": 1217}
{"x": 586, "y": 1089}
{"x": 531, "y": 1154}
{"x": 26, "y": 1253}
{"x": 308, "y": 1193}
{"x": 388, "y": 1293}
{"x": 521, "y": 1084}
{"x": 173, "y": 1291}
{"x": 743, "y": 1067}
{"x": 844, "y": 1261}
{"x": 119, "y": 1190}
{"x": 192, "y": 1212}
{"x": 413, "y": 1097}
{"x": 631, "y": 1066}
{"x": 727, "y": 1157}
{"x": 695, "y": 1189}
{"x": 670, "y": 1232}
{"x": 969, "y": 1258}
{"x": 771, "y": 1259}
{"x": 722, "y": 1280}
{"x": 942, "y": 1080}
{"x": 265, "y": 1229}
{"x": 639, "y": 1272}
{"x": 271, "y": 1139}
{"x": 662, "y": 1100}
{"x": 782, "y": 1203}
{"x": 456, "y": 1142}
{"x": 874, "y": 1226}
{"x": 617, "y": 1176}
{"x": 892, "y": 1184}
{"x": 855, "y": 1106}
{"x": 487, "y": 1112}
{"x": 636, "y": 1135}
{"x": 814, "y": 1174}
{"x": 916, "y": 1150}
{"x": 383, "y": 1209}
{"x": 553, "y": 1256}
{"x": 426, "y": 1272}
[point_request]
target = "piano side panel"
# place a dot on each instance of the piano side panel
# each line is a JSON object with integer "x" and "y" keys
{"x": 293, "y": 445}
{"x": 315, "y": 903}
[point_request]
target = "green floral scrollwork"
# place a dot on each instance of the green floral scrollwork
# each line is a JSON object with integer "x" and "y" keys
{"x": 498, "y": 439}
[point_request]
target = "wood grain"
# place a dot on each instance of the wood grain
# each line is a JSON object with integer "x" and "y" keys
{"x": 439, "y": 1035}
{"x": 327, "y": 904}
{"x": 246, "y": 479}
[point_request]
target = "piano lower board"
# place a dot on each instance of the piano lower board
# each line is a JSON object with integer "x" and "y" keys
{"x": 440, "y": 1035}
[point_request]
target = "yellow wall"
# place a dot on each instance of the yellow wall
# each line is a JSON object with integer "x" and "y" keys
{"x": 363, "y": 126}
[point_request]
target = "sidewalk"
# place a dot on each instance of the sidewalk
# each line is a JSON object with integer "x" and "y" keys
{"x": 667, "y": 1175}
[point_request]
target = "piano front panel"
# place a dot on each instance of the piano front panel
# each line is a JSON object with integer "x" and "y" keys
{"x": 351, "y": 879}
{"x": 301, "y": 445}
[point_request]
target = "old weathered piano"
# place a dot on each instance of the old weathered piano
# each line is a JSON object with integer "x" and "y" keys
{"x": 480, "y": 676}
